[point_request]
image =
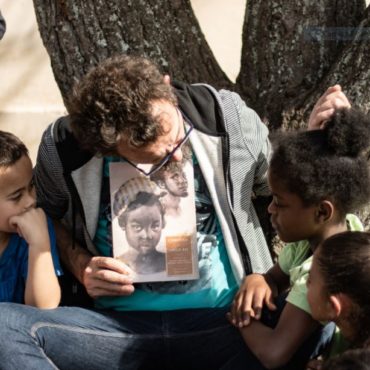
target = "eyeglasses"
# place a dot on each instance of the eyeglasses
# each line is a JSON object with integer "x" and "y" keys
{"x": 159, "y": 165}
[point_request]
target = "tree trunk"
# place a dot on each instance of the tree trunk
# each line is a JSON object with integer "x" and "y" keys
{"x": 79, "y": 34}
{"x": 351, "y": 70}
{"x": 287, "y": 50}
{"x": 292, "y": 51}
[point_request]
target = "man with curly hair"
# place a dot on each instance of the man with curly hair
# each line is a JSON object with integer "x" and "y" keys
{"x": 126, "y": 110}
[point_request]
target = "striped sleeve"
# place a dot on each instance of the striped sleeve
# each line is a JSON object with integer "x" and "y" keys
{"x": 51, "y": 189}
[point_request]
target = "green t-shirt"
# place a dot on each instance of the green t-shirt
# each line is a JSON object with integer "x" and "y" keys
{"x": 338, "y": 344}
{"x": 295, "y": 260}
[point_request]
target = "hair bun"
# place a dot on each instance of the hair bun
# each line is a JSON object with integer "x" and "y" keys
{"x": 348, "y": 132}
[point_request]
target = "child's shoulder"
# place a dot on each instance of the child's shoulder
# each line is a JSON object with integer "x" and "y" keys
{"x": 354, "y": 223}
{"x": 293, "y": 255}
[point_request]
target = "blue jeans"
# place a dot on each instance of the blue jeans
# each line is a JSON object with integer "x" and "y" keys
{"x": 76, "y": 338}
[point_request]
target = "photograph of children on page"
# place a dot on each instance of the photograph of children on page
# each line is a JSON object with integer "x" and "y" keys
{"x": 154, "y": 222}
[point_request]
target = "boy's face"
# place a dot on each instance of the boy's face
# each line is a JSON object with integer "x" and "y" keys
{"x": 144, "y": 227}
{"x": 292, "y": 220}
{"x": 176, "y": 183}
{"x": 317, "y": 295}
{"x": 17, "y": 192}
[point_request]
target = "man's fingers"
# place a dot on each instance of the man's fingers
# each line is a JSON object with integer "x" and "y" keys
{"x": 108, "y": 263}
{"x": 108, "y": 283}
{"x": 106, "y": 276}
{"x": 105, "y": 290}
{"x": 112, "y": 277}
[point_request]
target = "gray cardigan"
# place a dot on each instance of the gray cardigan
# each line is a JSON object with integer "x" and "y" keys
{"x": 233, "y": 160}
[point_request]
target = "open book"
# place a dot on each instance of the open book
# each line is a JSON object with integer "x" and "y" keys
{"x": 154, "y": 221}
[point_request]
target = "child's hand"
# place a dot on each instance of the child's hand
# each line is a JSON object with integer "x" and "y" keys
{"x": 331, "y": 100}
{"x": 248, "y": 302}
{"x": 32, "y": 226}
{"x": 315, "y": 364}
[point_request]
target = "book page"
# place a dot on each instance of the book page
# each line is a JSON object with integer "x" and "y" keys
{"x": 154, "y": 221}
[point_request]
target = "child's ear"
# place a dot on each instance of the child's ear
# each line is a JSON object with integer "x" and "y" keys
{"x": 324, "y": 211}
{"x": 339, "y": 303}
{"x": 335, "y": 307}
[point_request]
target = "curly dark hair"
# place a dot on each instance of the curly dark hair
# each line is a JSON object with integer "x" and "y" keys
{"x": 353, "y": 359}
{"x": 326, "y": 164}
{"x": 11, "y": 149}
{"x": 344, "y": 262}
{"x": 114, "y": 99}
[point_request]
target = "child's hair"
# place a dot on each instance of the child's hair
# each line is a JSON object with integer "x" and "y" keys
{"x": 326, "y": 164}
{"x": 344, "y": 262}
{"x": 354, "y": 359}
{"x": 142, "y": 199}
{"x": 134, "y": 193}
{"x": 171, "y": 168}
{"x": 11, "y": 149}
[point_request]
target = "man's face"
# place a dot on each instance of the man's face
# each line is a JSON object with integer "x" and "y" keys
{"x": 17, "y": 192}
{"x": 176, "y": 183}
{"x": 174, "y": 132}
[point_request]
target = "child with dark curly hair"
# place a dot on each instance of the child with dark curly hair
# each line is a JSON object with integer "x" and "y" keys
{"x": 354, "y": 359}
{"x": 338, "y": 288}
{"x": 317, "y": 178}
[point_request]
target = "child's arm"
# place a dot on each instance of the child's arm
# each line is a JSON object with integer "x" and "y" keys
{"x": 257, "y": 290}
{"x": 275, "y": 347}
{"x": 42, "y": 287}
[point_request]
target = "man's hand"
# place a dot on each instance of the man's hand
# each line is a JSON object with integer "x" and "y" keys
{"x": 248, "y": 302}
{"x": 331, "y": 100}
{"x": 106, "y": 276}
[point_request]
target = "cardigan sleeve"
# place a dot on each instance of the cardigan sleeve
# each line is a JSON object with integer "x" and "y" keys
{"x": 51, "y": 188}
{"x": 255, "y": 136}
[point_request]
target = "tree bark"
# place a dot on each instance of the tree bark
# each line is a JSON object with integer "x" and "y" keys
{"x": 79, "y": 34}
{"x": 292, "y": 51}
{"x": 287, "y": 50}
{"x": 350, "y": 70}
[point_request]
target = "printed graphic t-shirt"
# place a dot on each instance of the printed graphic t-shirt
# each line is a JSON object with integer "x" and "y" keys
{"x": 216, "y": 285}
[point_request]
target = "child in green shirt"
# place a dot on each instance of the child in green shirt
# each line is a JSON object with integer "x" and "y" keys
{"x": 316, "y": 178}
